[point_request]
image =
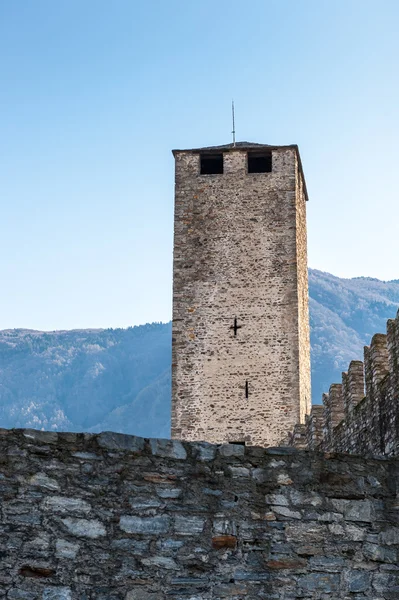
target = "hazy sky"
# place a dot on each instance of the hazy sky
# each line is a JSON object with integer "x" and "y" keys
{"x": 94, "y": 95}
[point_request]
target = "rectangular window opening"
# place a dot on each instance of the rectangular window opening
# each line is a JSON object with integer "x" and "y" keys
{"x": 211, "y": 164}
{"x": 259, "y": 163}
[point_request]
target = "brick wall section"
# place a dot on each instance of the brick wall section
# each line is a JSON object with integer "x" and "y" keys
{"x": 115, "y": 517}
{"x": 239, "y": 252}
{"x": 361, "y": 415}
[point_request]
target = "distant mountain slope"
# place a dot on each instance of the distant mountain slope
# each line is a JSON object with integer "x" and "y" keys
{"x": 75, "y": 380}
{"x": 119, "y": 379}
{"x": 344, "y": 315}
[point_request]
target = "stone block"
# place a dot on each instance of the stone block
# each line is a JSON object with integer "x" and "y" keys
{"x": 130, "y": 546}
{"x": 224, "y": 541}
{"x": 163, "y": 562}
{"x": 277, "y": 499}
{"x": 239, "y": 472}
{"x": 320, "y": 582}
{"x": 87, "y": 455}
{"x": 19, "y": 594}
{"x": 120, "y": 442}
{"x": 358, "y": 581}
{"x": 390, "y": 536}
{"x": 43, "y": 437}
{"x": 327, "y": 564}
{"x": 138, "y": 593}
{"x": 65, "y": 549}
{"x": 168, "y": 449}
{"x": 42, "y": 480}
{"x": 189, "y": 525}
{"x": 64, "y": 505}
{"x": 169, "y": 493}
{"x": 284, "y": 511}
{"x": 204, "y": 451}
{"x": 145, "y": 525}
{"x": 92, "y": 529}
{"x": 57, "y": 593}
{"x": 228, "y": 450}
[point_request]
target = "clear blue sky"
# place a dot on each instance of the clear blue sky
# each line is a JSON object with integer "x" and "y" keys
{"x": 94, "y": 94}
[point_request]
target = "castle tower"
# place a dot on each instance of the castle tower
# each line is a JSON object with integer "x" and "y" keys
{"x": 241, "y": 351}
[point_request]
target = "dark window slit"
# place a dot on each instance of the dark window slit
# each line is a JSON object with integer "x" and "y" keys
{"x": 211, "y": 164}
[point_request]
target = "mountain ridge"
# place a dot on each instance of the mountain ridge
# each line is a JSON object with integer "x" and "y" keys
{"x": 119, "y": 379}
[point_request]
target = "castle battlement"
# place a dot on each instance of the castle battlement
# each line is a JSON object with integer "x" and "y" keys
{"x": 360, "y": 415}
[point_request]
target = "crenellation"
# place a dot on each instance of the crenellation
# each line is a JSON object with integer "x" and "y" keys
{"x": 314, "y": 427}
{"x": 355, "y": 384}
{"x": 299, "y": 436}
{"x": 346, "y": 394}
{"x": 361, "y": 415}
{"x": 334, "y": 412}
{"x": 393, "y": 347}
{"x": 379, "y": 361}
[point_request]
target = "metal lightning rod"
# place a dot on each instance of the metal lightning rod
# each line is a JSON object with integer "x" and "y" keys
{"x": 234, "y": 126}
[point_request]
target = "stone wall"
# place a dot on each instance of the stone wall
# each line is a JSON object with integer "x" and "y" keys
{"x": 240, "y": 253}
{"x": 114, "y": 517}
{"x": 361, "y": 414}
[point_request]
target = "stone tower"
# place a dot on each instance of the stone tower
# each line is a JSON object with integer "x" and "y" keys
{"x": 241, "y": 351}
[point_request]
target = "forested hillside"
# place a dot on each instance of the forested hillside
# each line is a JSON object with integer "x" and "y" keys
{"x": 119, "y": 379}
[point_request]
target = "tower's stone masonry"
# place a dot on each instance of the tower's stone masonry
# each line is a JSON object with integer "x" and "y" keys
{"x": 241, "y": 352}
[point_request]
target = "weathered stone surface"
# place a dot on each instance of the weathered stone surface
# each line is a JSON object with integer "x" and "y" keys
{"x": 390, "y": 537}
{"x": 145, "y": 525}
{"x": 168, "y": 449}
{"x": 189, "y": 525}
{"x": 232, "y": 450}
{"x": 18, "y": 594}
{"x": 120, "y": 441}
{"x": 139, "y": 594}
{"x": 57, "y": 593}
{"x": 84, "y": 527}
{"x": 86, "y": 455}
{"x": 160, "y": 561}
{"x": 204, "y": 451}
{"x": 64, "y": 549}
{"x": 317, "y": 582}
{"x": 169, "y": 492}
{"x": 224, "y": 541}
{"x": 286, "y": 563}
{"x": 355, "y": 510}
{"x": 63, "y": 505}
{"x": 45, "y": 437}
{"x": 286, "y": 512}
{"x": 358, "y": 581}
{"x": 186, "y": 529}
{"x": 42, "y": 480}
